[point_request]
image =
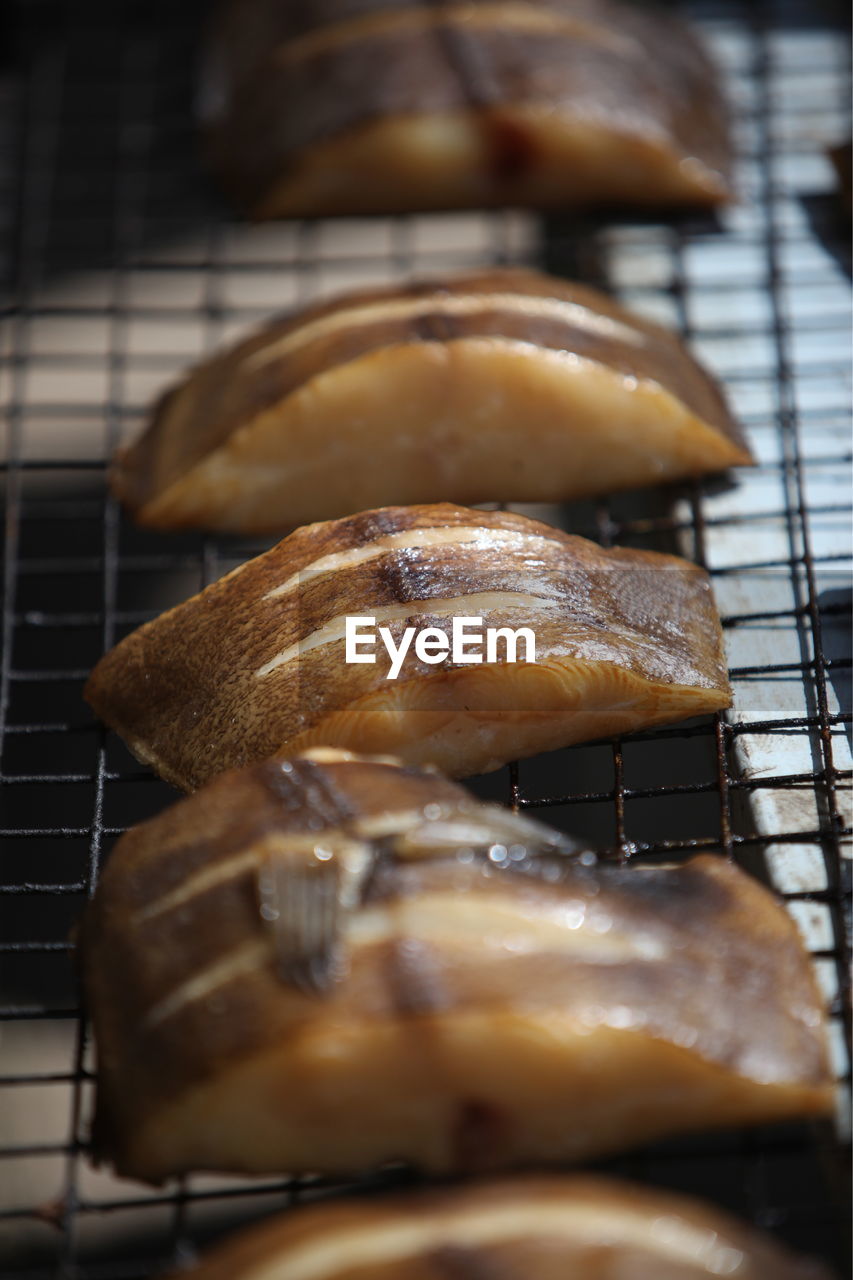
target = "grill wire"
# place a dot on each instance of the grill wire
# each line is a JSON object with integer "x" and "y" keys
{"x": 122, "y": 267}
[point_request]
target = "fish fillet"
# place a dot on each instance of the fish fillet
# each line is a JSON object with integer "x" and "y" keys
{"x": 331, "y": 962}
{"x": 255, "y": 664}
{"x": 542, "y": 1228}
{"x": 505, "y": 385}
{"x": 348, "y": 107}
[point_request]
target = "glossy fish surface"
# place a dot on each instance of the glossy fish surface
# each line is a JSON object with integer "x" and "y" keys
{"x": 332, "y": 962}
{"x": 503, "y": 385}
{"x": 542, "y": 1228}
{"x": 257, "y": 663}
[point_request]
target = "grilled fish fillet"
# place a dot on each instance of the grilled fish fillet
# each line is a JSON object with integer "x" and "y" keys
{"x": 332, "y": 962}
{"x": 505, "y": 385}
{"x": 365, "y": 106}
{"x": 255, "y": 664}
{"x": 543, "y": 1228}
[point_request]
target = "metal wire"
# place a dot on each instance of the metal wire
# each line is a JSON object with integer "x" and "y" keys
{"x": 114, "y": 228}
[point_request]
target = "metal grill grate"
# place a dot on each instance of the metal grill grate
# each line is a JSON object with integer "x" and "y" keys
{"x": 122, "y": 268}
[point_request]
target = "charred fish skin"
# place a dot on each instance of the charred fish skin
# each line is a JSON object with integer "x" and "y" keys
{"x": 256, "y": 664}
{"x": 503, "y": 385}
{"x": 387, "y": 108}
{"x": 624, "y": 1004}
{"x": 547, "y": 1227}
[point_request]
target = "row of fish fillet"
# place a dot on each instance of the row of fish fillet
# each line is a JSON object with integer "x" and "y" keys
{"x": 327, "y": 961}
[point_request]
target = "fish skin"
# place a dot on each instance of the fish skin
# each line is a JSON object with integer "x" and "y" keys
{"x": 585, "y": 1226}
{"x": 664, "y": 998}
{"x": 625, "y": 639}
{"x": 436, "y": 107}
{"x": 501, "y": 406}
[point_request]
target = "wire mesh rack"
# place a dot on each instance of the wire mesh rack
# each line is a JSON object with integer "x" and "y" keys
{"x": 122, "y": 266}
